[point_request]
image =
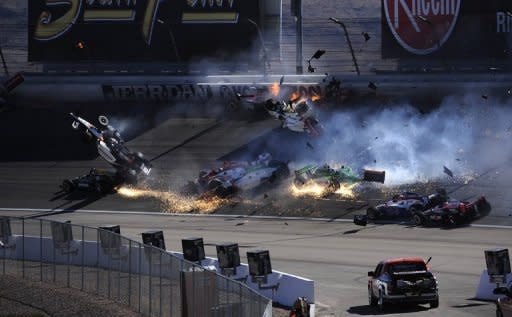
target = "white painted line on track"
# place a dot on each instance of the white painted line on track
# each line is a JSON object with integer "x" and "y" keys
{"x": 155, "y": 213}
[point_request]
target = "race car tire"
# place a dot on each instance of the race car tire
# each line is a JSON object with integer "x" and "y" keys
{"x": 434, "y": 304}
{"x": 103, "y": 120}
{"x": 372, "y": 301}
{"x": 282, "y": 172}
{"x": 224, "y": 192}
{"x": 415, "y": 209}
{"x": 67, "y": 186}
{"x": 418, "y": 219}
{"x": 499, "y": 313}
{"x": 372, "y": 213}
{"x": 334, "y": 186}
{"x": 103, "y": 188}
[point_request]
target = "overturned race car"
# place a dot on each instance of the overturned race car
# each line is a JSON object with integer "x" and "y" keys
{"x": 234, "y": 176}
{"x": 295, "y": 115}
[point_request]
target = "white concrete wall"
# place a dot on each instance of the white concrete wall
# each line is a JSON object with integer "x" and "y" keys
{"x": 287, "y": 287}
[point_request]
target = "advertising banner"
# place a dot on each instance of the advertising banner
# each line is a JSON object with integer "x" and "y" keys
{"x": 131, "y": 30}
{"x": 446, "y": 28}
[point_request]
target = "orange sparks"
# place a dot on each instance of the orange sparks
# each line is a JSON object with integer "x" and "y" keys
{"x": 274, "y": 89}
{"x": 315, "y": 97}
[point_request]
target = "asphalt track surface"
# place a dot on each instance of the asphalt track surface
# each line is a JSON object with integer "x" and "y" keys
{"x": 332, "y": 251}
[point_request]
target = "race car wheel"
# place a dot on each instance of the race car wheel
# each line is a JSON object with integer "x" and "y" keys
{"x": 434, "y": 304}
{"x": 334, "y": 186}
{"x": 417, "y": 219}
{"x": 372, "y": 301}
{"x": 103, "y": 188}
{"x": 224, "y": 192}
{"x": 67, "y": 186}
{"x": 281, "y": 173}
{"x": 372, "y": 213}
{"x": 103, "y": 120}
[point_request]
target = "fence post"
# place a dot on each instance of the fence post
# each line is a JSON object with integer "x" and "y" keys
{"x": 130, "y": 273}
{"x": 83, "y": 257}
{"x": 109, "y": 272}
{"x": 150, "y": 279}
{"x": 97, "y": 261}
{"x": 40, "y": 250}
{"x": 140, "y": 274}
{"x": 23, "y": 247}
{"x": 160, "y": 266}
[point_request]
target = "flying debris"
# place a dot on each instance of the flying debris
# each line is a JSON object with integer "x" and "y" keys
{"x": 366, "y": 36}
{"x": 447, "y": 171}
{"x": 111, "y": 148}
{"x": 281, "y": 81}
{"x": 485, "y": 97}
{"x": 317, "y": 55}
{"x": 372, "y": 86}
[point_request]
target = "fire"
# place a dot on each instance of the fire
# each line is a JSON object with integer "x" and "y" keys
{"x": 316, "y": 190}
{"x": 295, "y": 95}
{"x": 274, "y": 89}
{"x": 172, "y": 202}
{"x": 315, "y": 97}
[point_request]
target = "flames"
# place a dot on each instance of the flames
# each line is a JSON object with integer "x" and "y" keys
{"x": 274, "y": 89}
{"x": 316, "y": 190}
{"x": 172, "y": 202}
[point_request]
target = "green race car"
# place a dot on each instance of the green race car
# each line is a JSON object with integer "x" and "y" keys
{"x": 333, "y": 178}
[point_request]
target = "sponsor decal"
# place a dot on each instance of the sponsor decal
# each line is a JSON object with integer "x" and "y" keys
{"x": 421, "y": 26}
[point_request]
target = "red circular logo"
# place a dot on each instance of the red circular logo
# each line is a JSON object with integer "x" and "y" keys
{"x": 421, "y": 26}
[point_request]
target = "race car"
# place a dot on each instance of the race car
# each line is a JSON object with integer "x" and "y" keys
{"x": 295, "y": 115}
{"x": 99, "y": 181}
{"x": 234, "y": 176}
{"x": 453, "y": 212}
{"x": 404, "y": 205}
{"x": 333, "y": 178}
{"x": 111, "y": 147}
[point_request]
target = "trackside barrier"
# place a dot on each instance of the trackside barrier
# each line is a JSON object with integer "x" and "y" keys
{"x": 149, "y": 280}
{"x": 485, "y": 288}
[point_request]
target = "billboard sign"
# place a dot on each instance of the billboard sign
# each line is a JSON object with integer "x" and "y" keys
{"x": 445, "y": 28}
{"x": 69, "y": 30}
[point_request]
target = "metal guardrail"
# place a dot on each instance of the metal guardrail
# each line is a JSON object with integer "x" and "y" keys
{"x": 147, "y": 279}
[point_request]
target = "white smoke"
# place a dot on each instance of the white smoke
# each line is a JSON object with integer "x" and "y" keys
{"x": 466, "y": 134}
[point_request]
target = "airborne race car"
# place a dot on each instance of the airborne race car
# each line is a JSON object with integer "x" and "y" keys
{"x": 333, "y": 178}
{"x": 234, "y": 176}
{"x": 451, "y": 213}
{"x": 404, "y": 205}
{"x": 295, "y": 115}
{"x": 111, "y": 147}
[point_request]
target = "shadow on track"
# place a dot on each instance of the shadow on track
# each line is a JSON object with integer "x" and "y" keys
{"x": 367, "y": 310}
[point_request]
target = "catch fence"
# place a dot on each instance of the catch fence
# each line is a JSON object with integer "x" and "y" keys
{"x": 96, "y": 261}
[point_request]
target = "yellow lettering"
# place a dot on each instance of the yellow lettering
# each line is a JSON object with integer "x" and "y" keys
{"x": 149, "y": 20}
{"x": 46, "y": 29}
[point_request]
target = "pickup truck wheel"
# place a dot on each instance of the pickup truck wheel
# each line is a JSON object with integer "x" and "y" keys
{"x": 371, "y": 299}
{"x": 434, "y": 304}
{"x": 380, "y": 302}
